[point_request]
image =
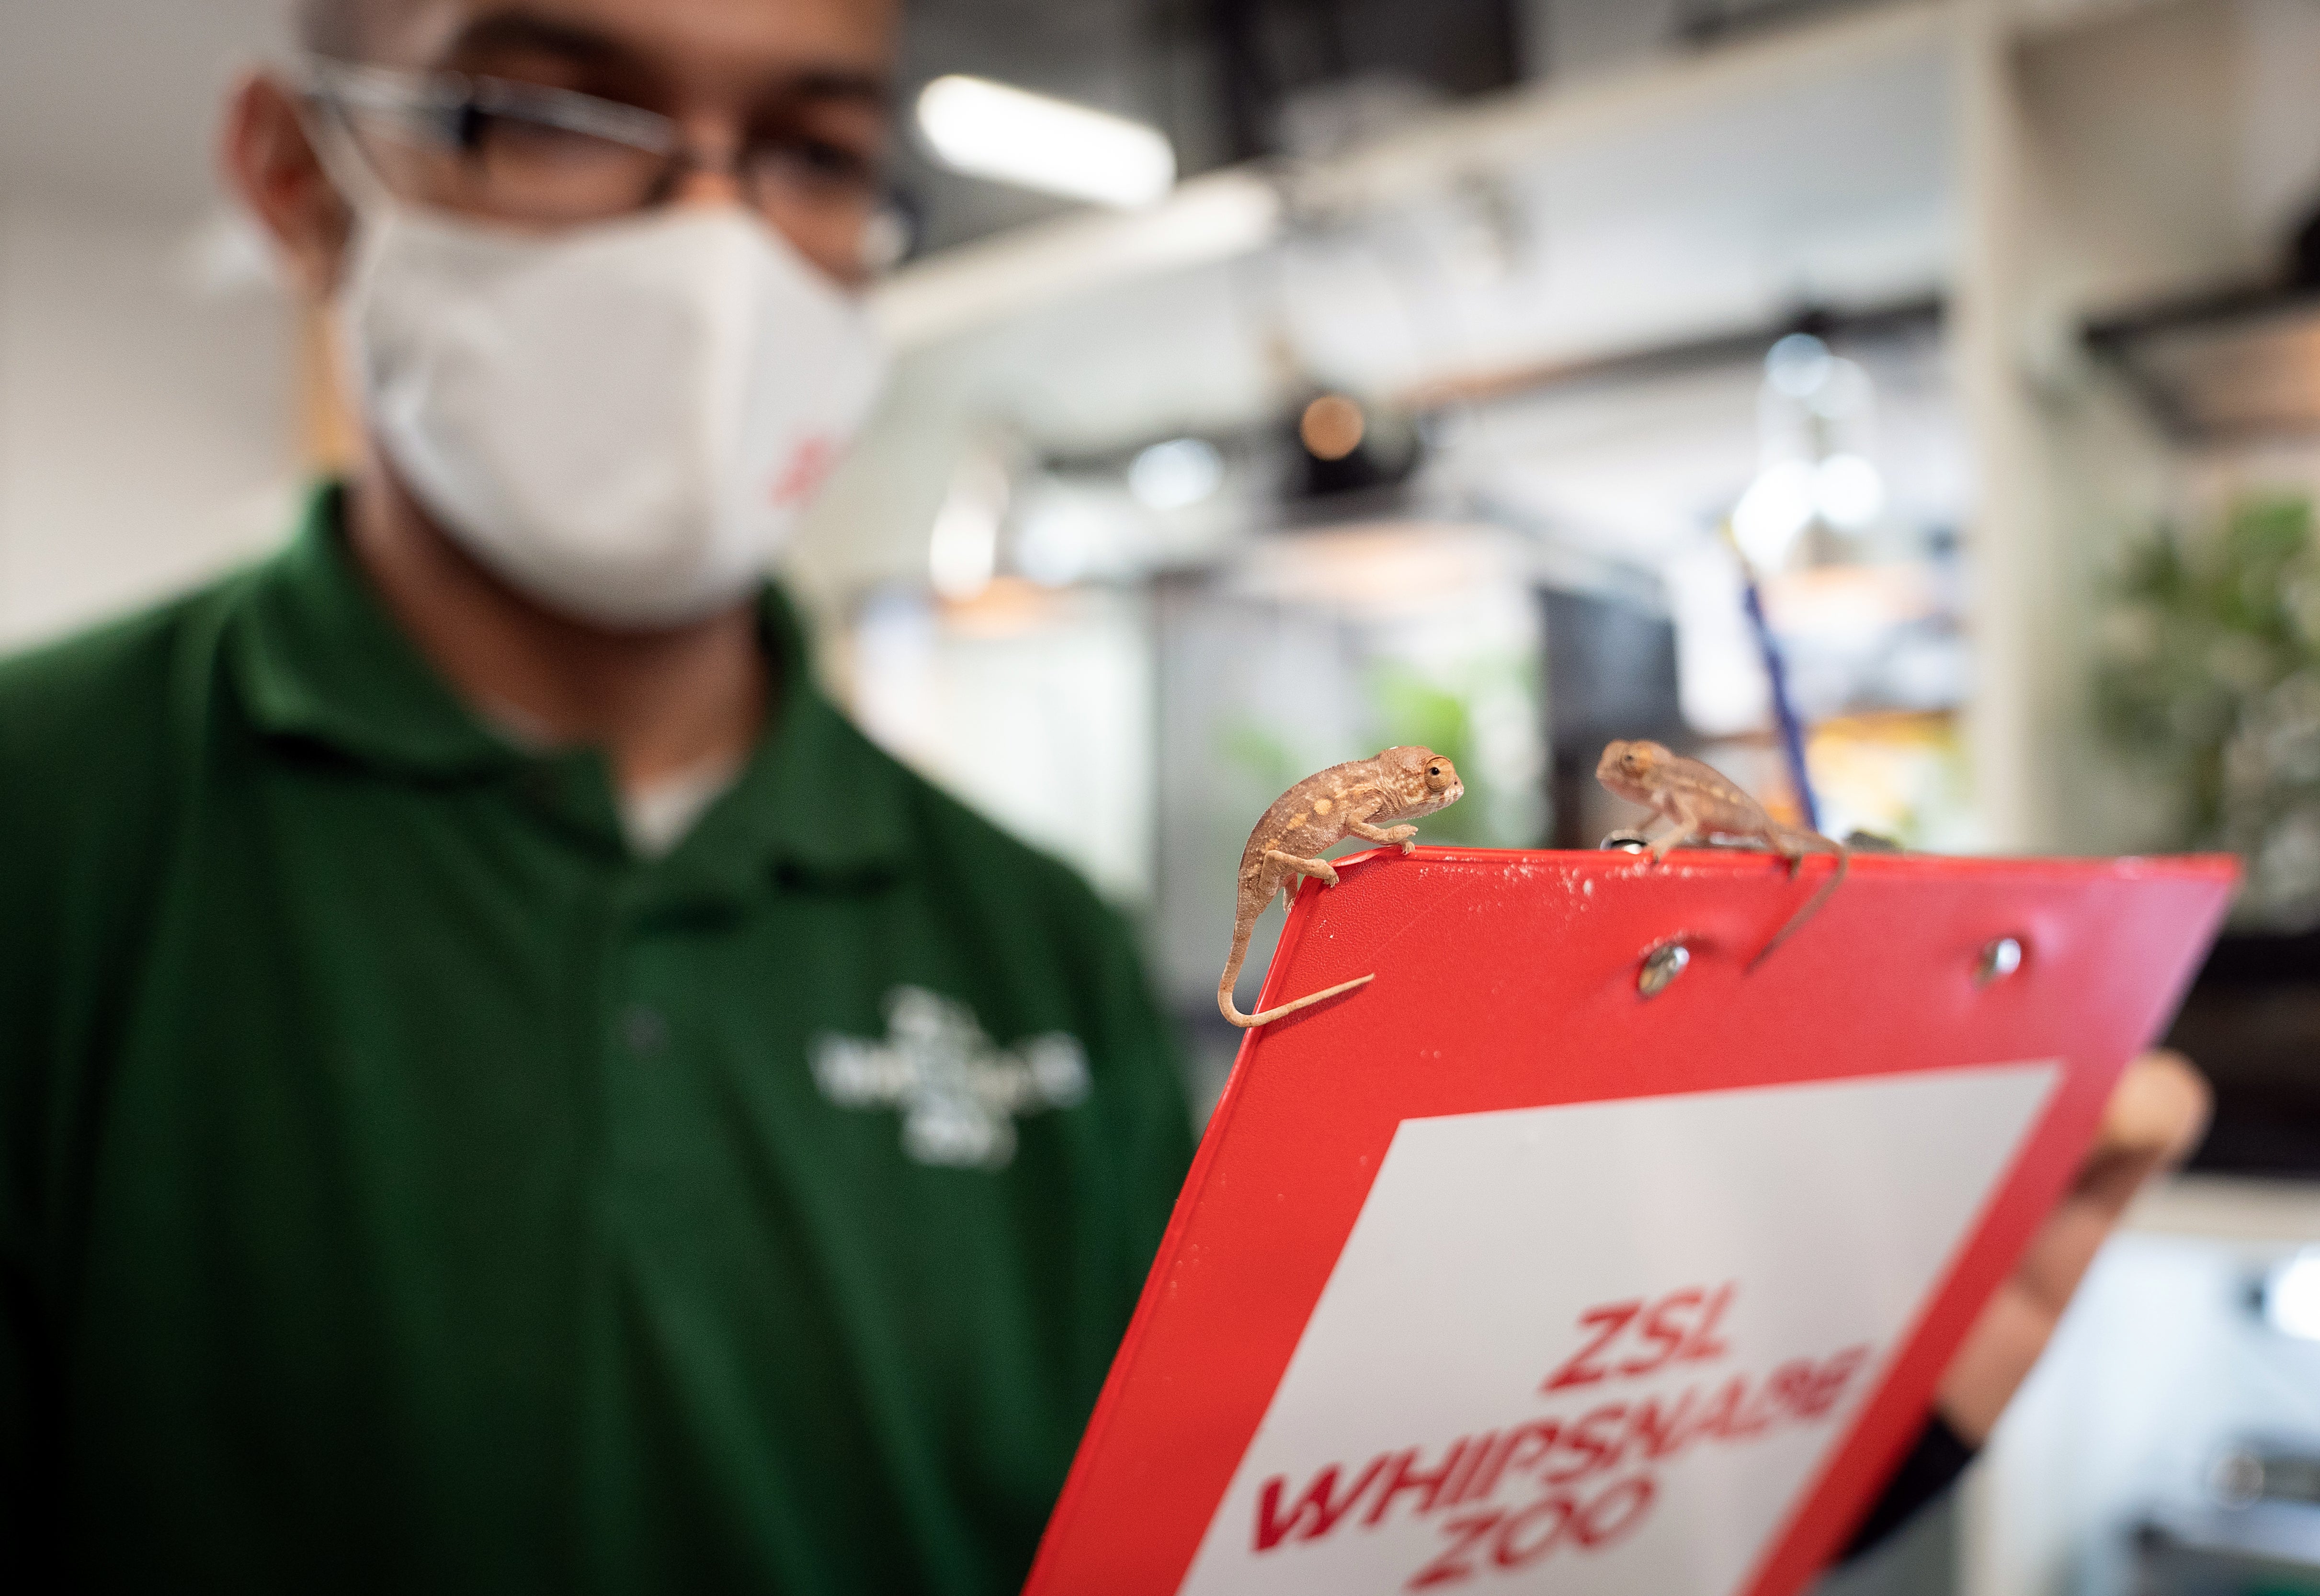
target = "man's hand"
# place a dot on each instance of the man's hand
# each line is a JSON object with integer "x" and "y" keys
{"x": 2155, "y": 1119}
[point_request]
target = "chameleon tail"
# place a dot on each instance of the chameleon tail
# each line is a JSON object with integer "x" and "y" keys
{"x": 1266, "y": 1016}
{"x": 1844, "y": 862}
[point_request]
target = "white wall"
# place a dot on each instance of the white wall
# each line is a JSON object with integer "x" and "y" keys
{"x": 146, "y": 378}
{"x": 146, "y": 430}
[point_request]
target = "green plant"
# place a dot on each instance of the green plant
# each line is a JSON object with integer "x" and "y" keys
{"x": 2210, "y": 680}
{"x": 1454, "y": 717}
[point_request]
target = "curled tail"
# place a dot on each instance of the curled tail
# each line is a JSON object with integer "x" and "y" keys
{"x": 1812, "y": 906}
{"x": 1266, "y": 1016}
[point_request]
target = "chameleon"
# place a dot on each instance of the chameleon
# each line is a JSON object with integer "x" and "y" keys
{"x": 1318, "y": 812}
{"x": 1696, "y": 801}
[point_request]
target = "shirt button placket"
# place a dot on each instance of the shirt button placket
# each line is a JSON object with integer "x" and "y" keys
{"x": 641, "y": 1048}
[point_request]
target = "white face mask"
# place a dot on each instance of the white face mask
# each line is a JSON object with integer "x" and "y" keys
{"x": 621, "y": 421}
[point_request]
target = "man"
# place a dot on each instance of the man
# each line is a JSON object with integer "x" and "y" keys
{"x": 500, "y": 1087}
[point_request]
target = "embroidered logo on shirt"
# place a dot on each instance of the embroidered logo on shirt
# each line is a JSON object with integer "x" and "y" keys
{"x": 958, "y": 1093}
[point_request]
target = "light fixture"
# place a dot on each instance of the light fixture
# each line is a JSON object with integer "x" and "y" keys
{"x": 1848, "y": 492}
{"x": 1057, "y": 539}
{"x": 1798, "y": 365}
{"x": 2291, "y": 1295}
{"x": 1331, "y": 427}
{"x": 1176, "y": 473}
{"x": 990, "y": 130}
{"x": 1777, "y": 507}
{"x": 963, "y": 549}
{"x": 1844, "y": 490}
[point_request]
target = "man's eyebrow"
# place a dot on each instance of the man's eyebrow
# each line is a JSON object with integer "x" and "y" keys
{"x": 833, "y": 83}
{"x": 518, "y": 30}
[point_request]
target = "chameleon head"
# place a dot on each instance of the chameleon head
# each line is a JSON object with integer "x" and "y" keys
{"x": 1423, "y": 780}
{"x": 1630, "y": 769}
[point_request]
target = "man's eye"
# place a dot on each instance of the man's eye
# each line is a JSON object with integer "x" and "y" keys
{"x": 498, "y": 133}
{"x": 818, "y": 161}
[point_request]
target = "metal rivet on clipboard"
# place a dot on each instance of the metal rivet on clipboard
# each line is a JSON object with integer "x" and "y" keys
{"x": 1661, "y": 966}
{"x": 1999, "y": 958}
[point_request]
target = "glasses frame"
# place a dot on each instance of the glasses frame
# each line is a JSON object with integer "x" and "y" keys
{"x": 444, "y": 107}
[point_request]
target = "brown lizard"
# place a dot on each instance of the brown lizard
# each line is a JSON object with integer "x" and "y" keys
{"x": 1315, "y": 815}
{"x": 1696, "y": 801}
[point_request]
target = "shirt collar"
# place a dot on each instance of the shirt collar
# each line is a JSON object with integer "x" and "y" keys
{"x": 316, "y": 656}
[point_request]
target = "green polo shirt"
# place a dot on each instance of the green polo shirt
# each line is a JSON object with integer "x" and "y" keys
{"x": 406, "y": 1187}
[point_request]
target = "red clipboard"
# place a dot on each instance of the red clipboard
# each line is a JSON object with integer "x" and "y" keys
{"x": 1497, "y": 1275}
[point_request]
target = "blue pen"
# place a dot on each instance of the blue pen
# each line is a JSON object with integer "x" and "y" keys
{"x": 1784, "y": 712}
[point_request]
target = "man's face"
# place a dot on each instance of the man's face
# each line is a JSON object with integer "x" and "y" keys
{"x": 802, "y": 82}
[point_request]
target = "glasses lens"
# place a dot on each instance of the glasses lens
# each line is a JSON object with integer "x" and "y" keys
{"x": 530, "y": 153}
{"x": 828, "y": 199}
{"x": 519, "y": 151}
{"x": 514, "y": 166}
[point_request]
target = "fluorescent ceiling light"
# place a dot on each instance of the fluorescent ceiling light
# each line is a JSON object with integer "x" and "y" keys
{"x": 991, "y": 131}
{"x": 2291, "y": 1296}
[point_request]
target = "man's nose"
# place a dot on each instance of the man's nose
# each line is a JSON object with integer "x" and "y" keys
{"x": 706, "y": 186}
{"x": 707, "y": 177}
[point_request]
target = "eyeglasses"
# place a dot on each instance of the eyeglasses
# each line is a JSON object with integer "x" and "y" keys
{"x": 529, "y": 153}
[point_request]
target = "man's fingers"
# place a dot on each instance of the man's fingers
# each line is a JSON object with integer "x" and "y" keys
{"x": 2155, "y": 1119}
{"x": 2063, "y": 1247}
{"x": 2160, "y": 1109}
{"x": 1996, "y": 1358}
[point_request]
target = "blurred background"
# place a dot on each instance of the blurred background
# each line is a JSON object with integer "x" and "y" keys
{"x": 1468, "y": 373}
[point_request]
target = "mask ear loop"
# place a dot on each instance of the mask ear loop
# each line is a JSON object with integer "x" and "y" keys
{"x": 360, "y": 188}
{"x": 330, "y": 130}
{"x": 328, "y": 123}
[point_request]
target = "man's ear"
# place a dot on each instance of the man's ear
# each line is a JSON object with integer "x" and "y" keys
{"x": 270, "y": 163}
